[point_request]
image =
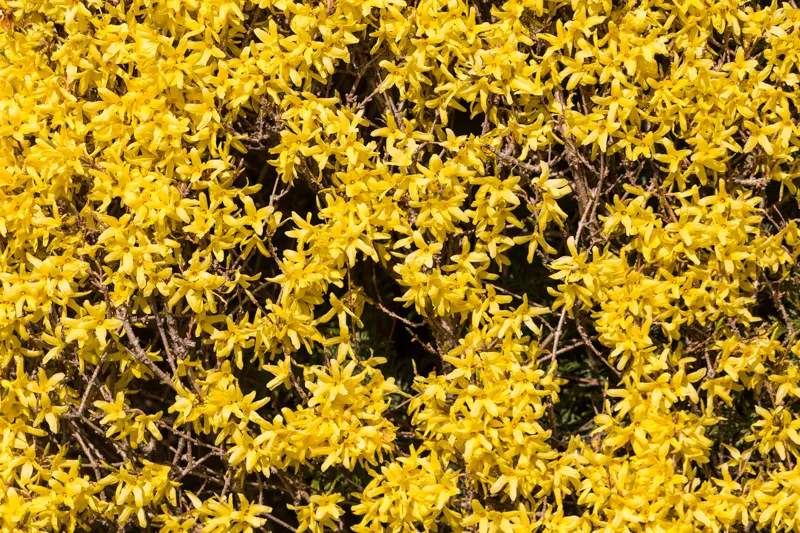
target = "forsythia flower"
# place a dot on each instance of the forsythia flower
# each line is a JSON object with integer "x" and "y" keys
{"x": 495, "y": 267}
{"x": 323, "y": 512}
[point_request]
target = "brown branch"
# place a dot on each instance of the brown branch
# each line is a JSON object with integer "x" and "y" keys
{"x": 394, "y": 315}
{"x": 86, "y": 451}
{"x": 513, "y": 160}
{"x": 595, "y": 351}
{"x": 280, "y": 522}
{"x": 92, "y": 380}
{"x": 592, "y": 382}
{"x": 181, "y": 349}
{"x": 163, "y": 335}
{"x": 430, "y": 349}
{"x": 214, "y": 449}
{"x": 137, "y": 352}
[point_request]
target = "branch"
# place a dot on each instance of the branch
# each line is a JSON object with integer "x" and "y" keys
{"x": 92, "y": 380}
{"x": 396, "y": 316}
{"x": 138, "y": 353}
{"x": 513, "y": 160}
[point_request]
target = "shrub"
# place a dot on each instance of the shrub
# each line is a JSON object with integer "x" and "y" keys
{"x": 389, "y": 265}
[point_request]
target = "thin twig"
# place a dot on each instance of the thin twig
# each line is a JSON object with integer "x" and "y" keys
{"x": 396, "y": 316}
{"x": 280, "y": 522}
{"x": 530, "y": 168}
{"x": 92, "y": 380}
{"x": 138, "y": 353}
{"x": 86, "y": 451}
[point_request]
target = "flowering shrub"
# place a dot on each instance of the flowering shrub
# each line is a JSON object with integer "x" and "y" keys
{"x": 399, "y": 265}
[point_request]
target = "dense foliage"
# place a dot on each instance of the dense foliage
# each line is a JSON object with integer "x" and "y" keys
{"x": 399, "y": 265}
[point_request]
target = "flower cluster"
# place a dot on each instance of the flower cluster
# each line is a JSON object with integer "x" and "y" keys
{"x": 399, "y": 265}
